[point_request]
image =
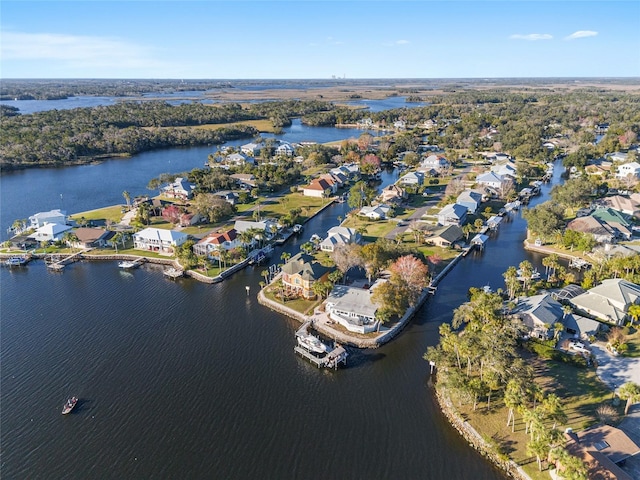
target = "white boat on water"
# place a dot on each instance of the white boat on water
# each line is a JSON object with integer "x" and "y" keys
{"x": 16, "y": 261}
{"x": 126, "y": 264}
{"x": 310, "y": 342}
{"x": 535, "y": 275}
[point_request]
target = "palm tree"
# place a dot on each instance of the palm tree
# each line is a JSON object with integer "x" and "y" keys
{"x": 630, "y": 392}
{"x": 127, "y": 197}
{"x": 634, "y": 312}
{"x": 285, "y": 256}
{"x": 511, "y": 281}
{"x": 514, "y": 397}
{"x": 117, "y": 238}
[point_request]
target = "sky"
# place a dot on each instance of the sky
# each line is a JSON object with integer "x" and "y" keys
{"x": 303, "y": 39}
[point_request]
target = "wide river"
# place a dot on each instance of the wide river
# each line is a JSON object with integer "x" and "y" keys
{"x": 186, "y": 380}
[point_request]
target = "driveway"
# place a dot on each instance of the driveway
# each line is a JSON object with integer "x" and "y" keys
{"x": 614, "y": 371}
{"x": 417, "y": 215}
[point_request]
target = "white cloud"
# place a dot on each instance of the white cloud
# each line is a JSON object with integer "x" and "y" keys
{"x": 76, "y": 50}
{"x": 396, "y": 43}
{"x": 531, "y": 36}
{"x": 581, "y": 34}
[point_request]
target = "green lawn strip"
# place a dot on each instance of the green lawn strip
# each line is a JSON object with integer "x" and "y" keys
{"x": 113, "y": 214}
{"x": 633, "y": 344}
{"x": 299, "y": 304}
{"x": 279, "y": 206}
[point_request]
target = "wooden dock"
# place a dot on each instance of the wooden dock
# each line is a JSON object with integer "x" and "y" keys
{"x": 173, "y": 273}
{"x": 331, "y": 360}
{"x": 60, "y": 263}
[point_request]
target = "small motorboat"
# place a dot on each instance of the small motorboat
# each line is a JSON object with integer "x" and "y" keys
{"x": 125, "y": 264}
{"x": 70, "y": 405}
{"x": 17, "y": 261}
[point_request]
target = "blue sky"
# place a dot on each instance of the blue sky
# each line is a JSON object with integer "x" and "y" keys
{"x": 309, "y": 39}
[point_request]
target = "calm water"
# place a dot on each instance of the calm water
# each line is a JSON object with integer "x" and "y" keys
{"x": 185, "y": 380}
{"x": 87, "y": 187}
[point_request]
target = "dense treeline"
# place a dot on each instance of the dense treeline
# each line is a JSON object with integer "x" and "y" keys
{"x": 58, "y": 137}
{"x": 57, "y": 89}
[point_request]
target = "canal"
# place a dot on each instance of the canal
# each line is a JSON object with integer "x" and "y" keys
{"x": 187, "y": 380}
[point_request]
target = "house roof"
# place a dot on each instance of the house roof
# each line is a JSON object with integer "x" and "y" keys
{"x": 242, "y": 225}
{"x": 52, "y": 229}
{"x": 306, "y": 266}
{"x": 453, "y": 210}
{"x": 590, "y": 224}
{"x": 88, "y": 235}
{"x": 51, "y": 213}
{"x": 610, "y": 299}
{"x": 609, "y": 441}
{"x": 610, "y": 215}
{"x": 219, "y": 238}
{"x": 380, "y": 210}
{"x": 320, "y": 184}
{"x": 479, "y": 239}
{"x": 470, "y": 196}
{"x": 151, "y": 233}
{"x": 489, "y": 177}
{"x": 540, "y": 309}
{"x": 352, "y": 299}
{"x": 450, "y": 233}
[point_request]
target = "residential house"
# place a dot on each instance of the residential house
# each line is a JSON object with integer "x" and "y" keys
{"x": 251, "y": 149}
{"x": 353, "y": 308}
{"x": 301, "y": 272}
{"x": 434, "y": 162}
{"x": 452, "y": 214}
{"x": 400, "y": 125}
{"x": 602, "y": 233}
{"x": 626, "y": 205}
{"x": 412, "y": 178}
{"x": 319, "y": 187}
{"x": 285, "y": 149}
{"x": 609, "y": 301}
{"x": 158, "y": 240}
{"x": 50, "y": 232}
{"x": 52, "y": 216}
{"x": 244, "y": 180}
{"x": 179, "y": 188}
{"x": 337, "y": 236}
{"x": 617, "y": 156}
{"x": 214, "y": 242}
{"x": 491, "y": 179}
{"x": 238, "y": 159}
{"x": 228, "y": 196}
{"x": 504, "y": 169}
{"x": 604, "y": 449}
{"x": 375, "y": 212}
{"x": 393, "y": 194}
{"x": 581, "y": 327}
{"x": 617, "y": 221}
{"x": 470, "y": 199}
{"x": 334, "y": 180}
{"x": 445, "y": 236}
{"x": 268, "y": 226}
{"x": 539, "y": 313}
{"x": 628, "y": 169}
{"x": 92, "y": 237}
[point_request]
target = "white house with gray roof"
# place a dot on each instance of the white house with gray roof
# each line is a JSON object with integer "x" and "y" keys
{"x": 337, "y": 236}
{"x": 452, "y": 214}
{"x": 470, "y": 199}
{"x": 159, "y": 240}
{"x": 52, "y": 216}
{"x": 353, "y": 308}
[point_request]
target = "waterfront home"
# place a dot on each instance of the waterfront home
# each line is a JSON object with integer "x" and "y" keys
{"x": 470, "y": 199}
{"x": 604, "y": 449}
{"x": 627, "y": 205}
{"x": 412, "y": 178}
{"x": 268, "y": 226}
{"x": 337, "y": 236}
{"x": 180, "y": 188}
{"x": 353, "y": 308}
{"x": 504, "y": 169}
{"x": 52, "y": 216}
{"x": 158, "y": 240}
{"x": 617, "y": 221}
{"x": 609, "y": 301}
{"x": 445, "y": 236}
{"x": 377, "y": 212}
{"x": 350, "y": 170}
{"x": 452, "y": 214}
{"x": 239, "y": 159}
{"x": 601, "y": 233}
{"x": 393, "y": 194}
{"x": 539, "y": 313}
{"x": 251, "y": 149}
{"x": 319, "y": 187}
{"x": 434, "y": 162}
{"x": 629, "y": 169}
{"x": 92, "y": 237}
{"x": 244, "y": 180}
{"x": 491, "y": 179}
{"x": 334, "y": 181}
{"x": 285, "y": 149}
{"x": 301, "y": 272}
{"x": 479, "y": 240}
{"x": 50, "y": 232}
{"x": 214, "y": 242}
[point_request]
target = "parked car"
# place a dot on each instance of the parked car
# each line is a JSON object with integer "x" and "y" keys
{"x": 578, "y": 347}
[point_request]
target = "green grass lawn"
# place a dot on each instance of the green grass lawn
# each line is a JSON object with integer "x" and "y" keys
{"x": 112, "y": 214}
{"x": 299, "y": 304}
